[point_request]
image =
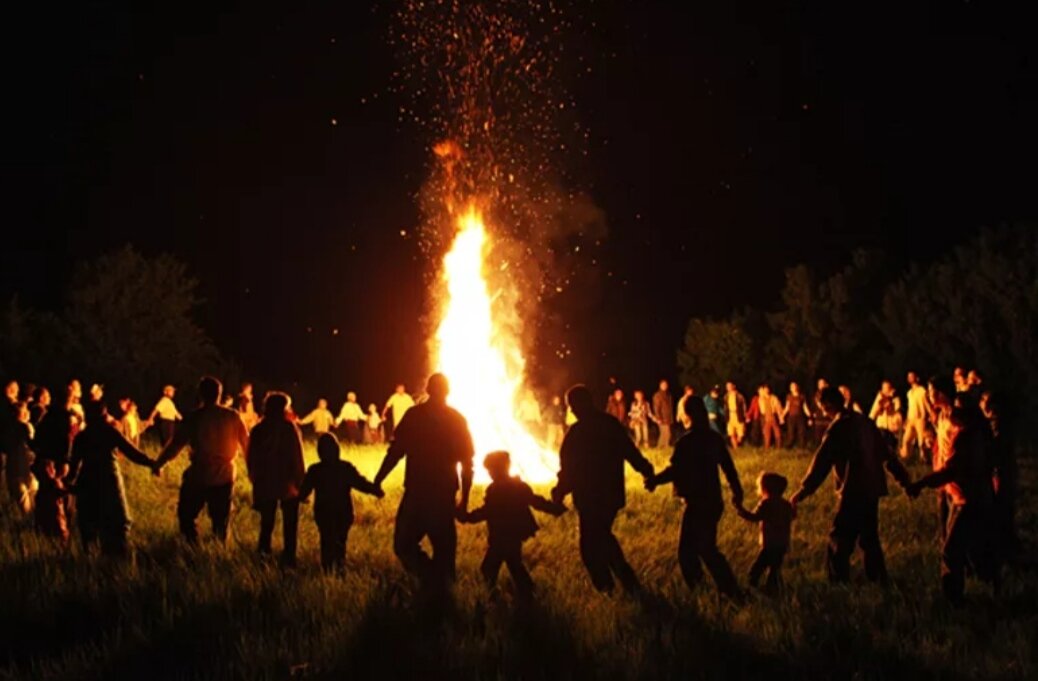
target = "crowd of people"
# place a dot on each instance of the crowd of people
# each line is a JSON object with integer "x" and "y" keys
{"x": 62, "y": 460}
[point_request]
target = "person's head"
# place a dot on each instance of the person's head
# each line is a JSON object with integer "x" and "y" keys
{"x": 400, "y": 388}
{"x": 763, "y": 390}
{"x": 328, "y": 448}
{"x": 794, "y": 389}
{"x": 846, "y": 392}
{"x": 97, "y": 392}
{"x": 351, "y": 396}
{"x": 729, "y": 387}
{"x": 209, "y": 389}
{"x": 21, "y": 411}
{"x": 95, "y": 412}
{"x": 578, "y": 399}
{"x": 639, "y": 396}
{"x": 169, "y": 391}
{"x": 42, "y": 397}
{"x": 556, "y": 400}
{"x": 437, "y": 388}
{"x": 276, "y": 404}
{"x": 372, "y": 409}
{"x": 75, "y": 389}
{"x": 973, "y": 378}
{"x": 246, "y": 390}
{"x": 771, "y": 485}
{"x": 822, "y": 384}
{"x": 322, "y": 403}
{"x": 913, "y": 379}
{"x": 618, "y": 395}
{"x": 50, "y": 470}
{"x": 715, "y": 392}
{"x": 498, "y": 464}
{"x": 831, "y": 400}
{"x": 124, "y": 404}
{"x": 887, "y": 388}
{"x": 664, "y": 386}
{"x": 695, "y": 410}
{"x": 940, "y": 390}
{"x": 688, "y": 390}
{"x": 11, "y": 391}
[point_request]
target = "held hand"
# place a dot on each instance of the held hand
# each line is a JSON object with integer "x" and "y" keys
{"x": 650, "y": 483}
{"x": 379, "y": 492}
{"x": 460, "y": 511}
{"x": 796, "y": 498}
{"x": 556, "y": 495}
{"x": 156, "y": 469}
{"x": 737, "y": 500}
{"x": 912, "y": 490}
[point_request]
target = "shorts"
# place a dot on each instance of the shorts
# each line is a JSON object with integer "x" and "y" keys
{"x": 736, "y": 429}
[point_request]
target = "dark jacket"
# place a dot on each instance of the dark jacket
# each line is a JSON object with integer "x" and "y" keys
{"x": 506, "y": 510}
{"x": 966, "y": 474}
{"x": 435, "y": 439}
{"x": 591, "y": 462}
{"x": 331, "y": 482}
{"x": 698, "y": 454}
{"x": 775, "y": 516}
{"x": 663, "y": 408}
{"x": 275, "y": 460}
{"x": 98, "y": 482}
{"x": 54, "y": 436}
{"x": 854, "y": 449}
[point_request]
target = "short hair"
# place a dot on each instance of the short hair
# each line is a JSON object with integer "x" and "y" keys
{"x": 579, "y": 399}
{"x": 942, "y": 384}
{"x": 437, "y": 386}
{"x": 498, "y": 459}
{"x": 695, "y": 409}
{"x": 95, "y": 412}
{"x": 209, "y": 389}
{"x": 831, "y": 397}
{"x": 275, "y": 403}
{"x": 328, "y": 447}
{"x": 773, "y": 483}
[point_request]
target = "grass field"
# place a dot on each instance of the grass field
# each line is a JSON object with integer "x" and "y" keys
{"x": 222, "y": 613}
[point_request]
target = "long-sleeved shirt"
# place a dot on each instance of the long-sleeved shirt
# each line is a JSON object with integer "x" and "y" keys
{"x": 351, "y": 411}
{"x": 331, "y": 482}
{"x": 435, "y": 438}
{"x": 397, "y": 405}
{"x": 698, "y": 455}
{"x": 776, "y": 516}
{"x": 216, "y": 435}
{"x": 854, "y": 450}
{"x": 663, "y": 407}
{"x": 322, "y": 420}
{"x": 275, "y": 459}
{"x": 98, "y": 480}
{"x": 506, "y": 510}
{"x": 965, "y": 472}
{"x": 165, "y": 409}
{"x": 591, "y": 462}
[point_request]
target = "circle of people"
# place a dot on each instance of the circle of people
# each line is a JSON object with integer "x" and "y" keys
{"x": 64, "y": 458}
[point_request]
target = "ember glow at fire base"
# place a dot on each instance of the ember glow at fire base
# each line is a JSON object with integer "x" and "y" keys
{"x": 482, "y": 357}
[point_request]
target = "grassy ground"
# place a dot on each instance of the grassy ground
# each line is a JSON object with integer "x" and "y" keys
{"x": 222, "y": 613}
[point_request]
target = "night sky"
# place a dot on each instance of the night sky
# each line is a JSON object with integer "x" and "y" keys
{"x": 728, "y": 141}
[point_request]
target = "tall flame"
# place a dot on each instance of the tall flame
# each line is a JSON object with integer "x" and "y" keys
{"x": 482, "y": 359}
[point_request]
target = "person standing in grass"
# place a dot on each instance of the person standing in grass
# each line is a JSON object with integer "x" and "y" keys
{"x": 506, "y": 511}
{"x": 693, "y": 469}
{"x": 920, "y": 412}
{"x": 638, "y": 418}
{"x": 735, "y": 407}
{"x": 373, "y": 426}
{"x": 102, "y": 513}
{"x": 396, "y": 406}
{"x": 796, "y": 415}
{"x": 591, "y": 467}
{"x": 663, "y": 413}
{"x": 436, "y": 440}
{"x": 351, "y": 415}
{"x": 331, "y": 480}
{"x": 166, "y": 415}
{"x": 775, "y": 515}
{"x": 21, "y": 485}
{"x": 275, "y": 462}
{"x": 216, "y": 434}
{"x": 50, "y": 513}
{"x": 854, "y": 450}
{"x": 714, "y": 408}
{"x": 321, "y": 418}
{"x": 770, "y": 409}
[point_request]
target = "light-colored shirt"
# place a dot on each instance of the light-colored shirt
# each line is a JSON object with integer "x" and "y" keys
{"x": 216, "y": 435}
{"x": 322, "y": 420}
{"x": 167, "y": 410}
{"x": 399, "y": 403}
{"x": 770, "y": 406}
{"x": 918, "y": 404}
{"x": 351, "y": 411}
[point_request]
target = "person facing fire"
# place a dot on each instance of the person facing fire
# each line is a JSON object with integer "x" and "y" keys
{"x": 506, "y": 511}
{"x": 615, "y": 406}
{"x": 351, "y": 415}
{"x": 591, "y": 468}
{"x": 775, "y": 515}
{"x": 436, "y": 440}
{"x": 663, "y": 413}
{"x": 735, "y": 406}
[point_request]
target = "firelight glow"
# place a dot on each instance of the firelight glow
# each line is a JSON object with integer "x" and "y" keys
{"x": 482, "y": 359}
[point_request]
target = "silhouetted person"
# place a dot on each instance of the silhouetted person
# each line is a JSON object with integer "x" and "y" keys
{"x": 506, "y": 511}
{"x": 20, "y": 457}
{"x": 53, "y": 441}
{"x": 615, "y": 406}
{"x": 435, "y": 439}
{"x": 854, "y": 450}
{"x": 966, "y": 479}
{"x": 591, "y": 464}
{"x": 819, "y": 419}
{"x": 101, "y": 510}
{"x": 775, "y": 515}
{"x": 331, "y": 480}
{"x": 50, "y": 504}
{"x": 1001, "y": 420}
{"x": 275, "y": 462}
{"x": 663, "y": 413}
{"x": 216, "y": 434}
{"x": 693, "y": 469}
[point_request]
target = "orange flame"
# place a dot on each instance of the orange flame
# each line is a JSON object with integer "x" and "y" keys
{"x": 482, "y": 359}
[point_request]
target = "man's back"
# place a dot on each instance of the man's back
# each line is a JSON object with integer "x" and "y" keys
{"x": 435, "y": 438}
{"x": 698, "y": 458}
{"x": 853, "y": 447}
{"x": 215, "y": 435}
{"x": 592, "y": 461}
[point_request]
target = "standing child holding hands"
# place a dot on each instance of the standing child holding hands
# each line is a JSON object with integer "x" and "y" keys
{"x": 775, "y": 515}
{"x": 332, "y": 480}
{"x": 506, "y": 510}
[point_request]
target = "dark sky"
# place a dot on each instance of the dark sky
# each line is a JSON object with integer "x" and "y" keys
{"x": 729, "y": 140}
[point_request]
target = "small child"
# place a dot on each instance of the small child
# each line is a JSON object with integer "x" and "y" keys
{"x": 506, "y": 510}
{"x": 775, "y": 515}
{"x": 331, "y": 480}
{"x": 51, "y": 498}
{"x": 373, "y": 426}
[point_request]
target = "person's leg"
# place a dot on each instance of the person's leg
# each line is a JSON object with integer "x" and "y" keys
{"x": 615, "y": 558}
{"x": 757, "y": 569}
{"x": 942, "y": 515}
{"x": 289, "y": 530}
{"x": 491, "y": 566}
{"x": 443, "y": 535}
{"x": 218, "y": 503}
{"x": 267, "y": 512}
{"x": 593, "y": 540}
{"x": 688, "y": 551}
{"x": 954, "y": 554}
{"x": 513, "y": 557}
{"x": 716, "y": 563}
{"x": 842, "y": 537}
{"x": 868, "y": 539}
{"x": 407, "y": 535}
{"x": 189, "y": 505}
{"x": 775, "y": 560}
{"x": 665, "y": 435}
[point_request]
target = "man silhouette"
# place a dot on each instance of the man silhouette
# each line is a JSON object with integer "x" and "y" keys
{"x": 435, "y": 438}
{"x": 592, "y": 469}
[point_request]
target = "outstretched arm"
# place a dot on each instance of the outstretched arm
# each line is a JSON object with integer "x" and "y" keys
{"x": 818, "y": 471}
{"x": 129, "y": 451}
{"x": 730, "y": 473}
{"x": 468, "y": 452}
{"x": 546, "y": 505}
{"x": 180, "y": 440}
{"x": 392, "y": 458}
{"x": 752, "y": 516}
{"x": 362, "y": 484}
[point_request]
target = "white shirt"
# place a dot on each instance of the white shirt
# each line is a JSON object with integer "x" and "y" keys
{"x": 918, "y": 408}
{"x": 351, "y": 411}
{"x": 167, "y": 410}
{"x": 399, "y": 403}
